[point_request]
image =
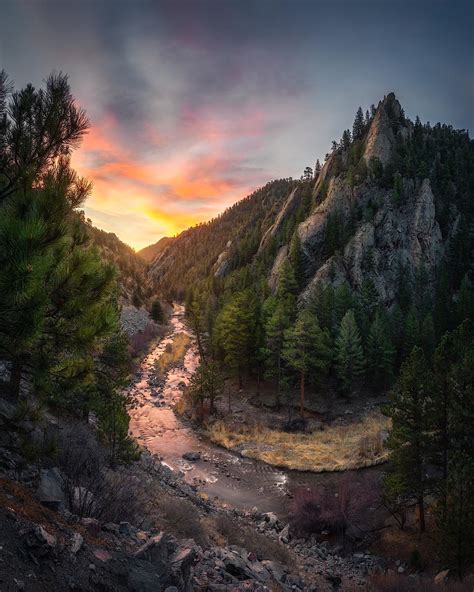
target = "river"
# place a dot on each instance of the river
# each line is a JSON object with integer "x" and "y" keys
{"x": 234, "y": 480}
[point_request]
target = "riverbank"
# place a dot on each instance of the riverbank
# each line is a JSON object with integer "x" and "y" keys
{"x": 354, "y": 445}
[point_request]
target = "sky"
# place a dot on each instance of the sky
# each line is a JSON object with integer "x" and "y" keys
{"x": 195, "y": 103}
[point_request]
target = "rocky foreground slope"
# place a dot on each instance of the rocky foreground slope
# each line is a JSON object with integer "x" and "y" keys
{"x": 60, "y": 530}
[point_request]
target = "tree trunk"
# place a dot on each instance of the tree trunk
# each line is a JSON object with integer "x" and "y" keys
{"x": 302, "y": 396}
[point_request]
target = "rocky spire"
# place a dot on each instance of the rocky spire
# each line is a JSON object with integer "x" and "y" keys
{"x": 381, "y": 137}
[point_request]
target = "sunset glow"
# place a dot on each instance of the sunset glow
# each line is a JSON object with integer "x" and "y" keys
{"x": 187, "y": 119}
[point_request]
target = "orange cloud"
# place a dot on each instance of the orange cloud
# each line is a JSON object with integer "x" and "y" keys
{"x": 168, "y": 191}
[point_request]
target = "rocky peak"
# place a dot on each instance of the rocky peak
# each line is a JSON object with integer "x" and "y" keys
{"x": 381, "y": 137}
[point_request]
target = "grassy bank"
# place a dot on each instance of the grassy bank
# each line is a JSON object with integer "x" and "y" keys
{"x": 336, "y": 448}
{"x": 174, "y": 353}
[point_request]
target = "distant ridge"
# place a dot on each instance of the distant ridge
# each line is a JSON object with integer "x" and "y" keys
{"x": 150, "y": 252}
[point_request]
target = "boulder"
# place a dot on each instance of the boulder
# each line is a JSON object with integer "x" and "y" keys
{"x": 50, "y": 489}
{"x": 76, "y": 543}
{"x": 40, "y": 540}
{"x": 143, "y": 577}
{"x": 192, "y": 456}
{"x": 157, "y": 549}
{"x": 271, "y": 518}
{"x": 441, "y": 577}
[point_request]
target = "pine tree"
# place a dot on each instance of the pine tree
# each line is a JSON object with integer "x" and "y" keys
{"x": 110, "y": 404}
{"x": 358, "y": 126}
{"x": 317, "y": 169}
{"x": 295, "y": 257}
{"x": 343, "y": 301}
{"x": 234, "y": 333}
{"x": 456, "y": 520}
{"x": 206, "y": 385}
{"x": 57, "y": 297}
{"x": 380, "y": 352}
{"x": 410, "y": 439}
{"x": 349, "y": 353}
{"x": 196, "y": 320}
{"x": 156, "y": 311}
{"x": 368, "y": 301}
{"x": 276, "y": 324}
{"x": 412, "y": 333}
{"x": 346, "y": 139}
{"x": 307, "y": 350}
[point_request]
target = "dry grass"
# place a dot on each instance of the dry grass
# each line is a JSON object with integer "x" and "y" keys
{"x": 174, "y": 353}
{"x": 336, "y": 448}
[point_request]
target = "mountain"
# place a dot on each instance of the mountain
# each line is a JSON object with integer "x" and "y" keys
{"x": 393, "y": 200}
{"x": 230, "y": 241}
{"x": 134, "y": 282}
{"x": 149, "y": 253}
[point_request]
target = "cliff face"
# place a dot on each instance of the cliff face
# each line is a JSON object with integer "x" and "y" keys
{"x": 408, "y": 236}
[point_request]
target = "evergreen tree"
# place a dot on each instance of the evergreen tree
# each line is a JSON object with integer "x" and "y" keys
{"x": 307, "y": 174}
{"x": 234, "y": 332}
{"x": 358, "y": 126}
{"x": 57, "y": 297}
{"x": 206, "y": 385}
{"x": 295, "y": 257}
{"x": 317, "y": 169}
{"x": 412, "y": 333}
{"x": 380, "y": 352}
{"x": 349, "y": 353}
{"x": 307, "y": 350}
{"x": 343, "y": 301}
{"x": 157, "y": 311}
{"x": 276, "y": 325}
{"x": 322, "y": 305}
{"x": 196, "y": 321}
{"x": 410, "y": 439}
{"x": 368, "y": 301}
{"x": 110, "y": 403}
{"x": 346, "y": 139}
{"x": 456, "y": 521}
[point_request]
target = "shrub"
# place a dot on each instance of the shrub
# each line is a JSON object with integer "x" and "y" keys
{"x": 91, "y": 489}
{"x": 181, "y": 518}
{"x": 295, "y": 425}
{"x": 246, "y": 537}
{"x": 336, "y": 507}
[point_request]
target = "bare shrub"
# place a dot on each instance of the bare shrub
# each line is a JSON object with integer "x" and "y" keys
{"x": 91, "y": 488}
{"x": 181, "y": 518}
{"x": 335, "y": 508}
{"x": 246, "y": 537}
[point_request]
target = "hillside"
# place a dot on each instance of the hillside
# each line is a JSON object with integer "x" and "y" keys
{"x": 228, "y": 242}
{"x": 398, "y": 197}
{"x": 149, "y": 253}
{"x": 135, "y": 286}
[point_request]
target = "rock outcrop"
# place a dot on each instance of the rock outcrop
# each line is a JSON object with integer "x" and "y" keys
{"x": 408, "y": 236}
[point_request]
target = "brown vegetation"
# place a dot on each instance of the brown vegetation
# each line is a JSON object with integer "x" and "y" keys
{"x": 174, "y": 353}
{"x": 336, "y": 448}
